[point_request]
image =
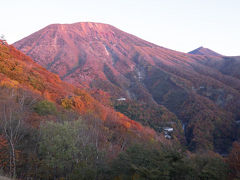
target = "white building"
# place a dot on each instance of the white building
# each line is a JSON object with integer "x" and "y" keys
{"x": 122, "y": 99}
{"x": 168, "y": 129}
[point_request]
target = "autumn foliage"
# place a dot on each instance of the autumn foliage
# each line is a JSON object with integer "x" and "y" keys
{"x": 19, "y": 71}
{"x": 50, "y": 129}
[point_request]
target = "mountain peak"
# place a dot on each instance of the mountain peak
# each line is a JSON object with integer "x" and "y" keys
{"x": 204, "y": 51}
{"x": 82, "y": 27}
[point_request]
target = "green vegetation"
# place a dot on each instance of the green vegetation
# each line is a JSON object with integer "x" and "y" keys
{"x": 70, "y": 150}
{"x": 139, "y": 162}
{"x": 57, "y": 147}
{"x": 45, "y": 108}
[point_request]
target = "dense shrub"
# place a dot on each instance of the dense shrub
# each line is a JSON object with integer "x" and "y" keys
{"x": 45, "y": 108}
{"x": 140, "y": 162}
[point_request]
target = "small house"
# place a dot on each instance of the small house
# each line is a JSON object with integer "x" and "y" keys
{"x": 122, "y": 99}
{"x": 168, "y": 129}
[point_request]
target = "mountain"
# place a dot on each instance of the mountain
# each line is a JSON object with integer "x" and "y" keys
{"x": 38, "y": 109}
{"x": 205, "y": 52}
{"x": 18, "y": 71}
{"x": 228, "y": 65}
{"x": 83, "y": 53}
{"x": 162, "y": 87}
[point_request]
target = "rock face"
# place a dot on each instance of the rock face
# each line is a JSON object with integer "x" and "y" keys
{"x": 204, "y": 51}
{"x": 204, "y": 97}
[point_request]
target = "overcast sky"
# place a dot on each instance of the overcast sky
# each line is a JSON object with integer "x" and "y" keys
{"x": 181, "y": 25}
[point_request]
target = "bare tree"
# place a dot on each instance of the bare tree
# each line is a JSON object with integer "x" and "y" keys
{"x": 12, "y": 115}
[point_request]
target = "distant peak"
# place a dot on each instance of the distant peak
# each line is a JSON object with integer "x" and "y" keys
{"x": 205, "y": 52}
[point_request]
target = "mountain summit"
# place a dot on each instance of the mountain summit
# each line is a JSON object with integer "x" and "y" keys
{"x": 83, "y": 51}
{"x": 204, "y": 51}
{"x": 159, "y": 87}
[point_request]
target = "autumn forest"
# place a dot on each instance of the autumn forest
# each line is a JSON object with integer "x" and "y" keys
{"x": 89, "y": 101}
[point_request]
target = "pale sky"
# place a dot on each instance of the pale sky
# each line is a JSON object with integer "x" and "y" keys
{"x": 181, "y": 25}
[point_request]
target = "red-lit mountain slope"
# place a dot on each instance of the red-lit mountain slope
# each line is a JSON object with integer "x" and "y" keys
{"x": 20, "y": 71}
{"x": 100, "y": 56}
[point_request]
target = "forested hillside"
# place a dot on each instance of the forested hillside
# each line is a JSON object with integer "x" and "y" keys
{"x": 198, "y": 95}
{"x": 52, "y": 130}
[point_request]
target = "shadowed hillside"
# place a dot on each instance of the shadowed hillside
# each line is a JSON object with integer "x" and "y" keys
{"x": 205, "y": 52}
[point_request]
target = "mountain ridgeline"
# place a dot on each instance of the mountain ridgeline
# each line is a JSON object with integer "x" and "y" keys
{"x": 197, "y": 94}
{"x": 205, "y": 52}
